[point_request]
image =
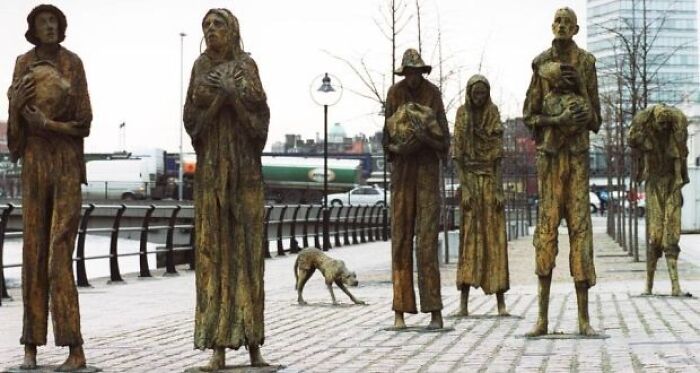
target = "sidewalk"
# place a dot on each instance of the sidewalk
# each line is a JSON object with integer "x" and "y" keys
{"x": 146, "y": 325}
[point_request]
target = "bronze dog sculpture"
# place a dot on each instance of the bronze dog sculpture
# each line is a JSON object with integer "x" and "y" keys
{"x": 334, "y": 271}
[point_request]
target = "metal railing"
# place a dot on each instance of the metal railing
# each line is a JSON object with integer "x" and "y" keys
{"x": 348, "y": 225}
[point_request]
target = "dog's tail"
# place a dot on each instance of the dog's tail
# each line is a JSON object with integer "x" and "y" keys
{"x": 296, "y": 274}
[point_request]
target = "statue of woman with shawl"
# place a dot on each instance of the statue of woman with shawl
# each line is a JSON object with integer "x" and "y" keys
{"x": 478, "y": 149}
{"x": 227, "y": 117}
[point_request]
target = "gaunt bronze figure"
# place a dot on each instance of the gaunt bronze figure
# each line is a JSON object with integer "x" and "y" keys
{"x": 227, "y": 117}
{"x": 416, "y": 138}
{"x": 561, "y": 123}
{"x": 49, "y": 116}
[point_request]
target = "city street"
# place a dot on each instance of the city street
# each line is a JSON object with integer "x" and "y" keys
{"x": 146, "y": 325}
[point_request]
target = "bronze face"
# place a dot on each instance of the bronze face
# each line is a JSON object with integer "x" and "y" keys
{"x": 215, "y": 31}
{"x": 46, "y": 28}
{"x": 413, "y": 76}
{"x": 479, "y": 94}
{"x": 564, "y": 26}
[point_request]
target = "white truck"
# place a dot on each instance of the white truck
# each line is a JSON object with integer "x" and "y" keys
{"x": 125, "y": 179}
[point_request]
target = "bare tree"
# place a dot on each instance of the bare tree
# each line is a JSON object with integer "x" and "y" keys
{"x": 634, "y": 71}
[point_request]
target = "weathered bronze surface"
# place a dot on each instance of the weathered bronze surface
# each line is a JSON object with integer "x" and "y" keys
{"x": 49, "y": 116}
{"x": 659, "y": 136}
{"x": 227, "y": 118}
{"x": 415, "y": 176}
{"x": 561, "y": 106}
{"x": 477, "y": 152}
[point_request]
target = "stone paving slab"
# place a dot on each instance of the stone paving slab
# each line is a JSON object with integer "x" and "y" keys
{"x": 147, "y": 325}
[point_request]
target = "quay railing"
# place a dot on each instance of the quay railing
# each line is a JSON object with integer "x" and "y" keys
{"x": 290, "y": 227}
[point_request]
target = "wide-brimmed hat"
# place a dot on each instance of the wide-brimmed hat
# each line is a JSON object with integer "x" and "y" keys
{"x": 412, "y": 59}
{"x": 30, "y": 35}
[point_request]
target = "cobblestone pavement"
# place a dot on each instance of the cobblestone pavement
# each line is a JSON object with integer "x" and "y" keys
{"x": 146, "y": 325}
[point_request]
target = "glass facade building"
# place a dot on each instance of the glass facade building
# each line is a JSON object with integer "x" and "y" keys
{"x": 671, "y": 39}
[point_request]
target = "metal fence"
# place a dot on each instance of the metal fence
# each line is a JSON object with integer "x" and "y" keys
{"x": 290, "y": 227}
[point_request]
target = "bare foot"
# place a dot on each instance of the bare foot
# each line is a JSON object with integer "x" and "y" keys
{"x": 503, "y": 313}
{"x": 463, "y": 312}
{"x": 586, "y": 329}
{"x": 435, "y": 321}
{"x": 29, "y": 357}
{"x": 217, "y": 361}
{"x": 399, "y": 322}
{"x": 256, "y": 358}
{"x": 75, "y": 360}
{"x": 676, "y": 289}
{"x": 539, "y": 329}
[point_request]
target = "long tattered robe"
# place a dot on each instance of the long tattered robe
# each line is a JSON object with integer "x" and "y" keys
{"x": 477, "y": 151}
{"x": 52, "y": 170}
{"x": 228, "y": 204}
{"x": 664, "y": 168}
{"x": 415, "y": 205}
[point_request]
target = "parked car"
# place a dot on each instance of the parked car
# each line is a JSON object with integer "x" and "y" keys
{"x": 362, "y": 195}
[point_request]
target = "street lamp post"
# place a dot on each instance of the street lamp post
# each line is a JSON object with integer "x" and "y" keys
{"x": 182, "y": 119}
{"x": 327, "y": 94}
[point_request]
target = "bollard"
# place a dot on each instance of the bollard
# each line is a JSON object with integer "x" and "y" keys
{"x": 317, "y": 232}
{"x": 169, "y": 245}
{"x": 114, "y": 275}
{"x": 143, "y": 249}
{"x": 266, "y": 238}
{"x": 368, "y": 224}
{"x": 192, "y": 252}
{"x": 82, "y": 233}
{"x": 355, "y": 225}
{"x": 305, "y": 231}
{"x": 293, "y": 243}
{"x": 280, "y": 221}
{"x": 377, "y": 223}
{"x": 361, "y": 228}
{"x": 336, "y": 226}
{"x": 346, "y": 227}
{"x": 4, "y": 217}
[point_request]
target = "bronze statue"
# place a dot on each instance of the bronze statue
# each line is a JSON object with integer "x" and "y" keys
{"x": 334, "y": 271}
{"x": 658, "y": 135}
{"x": 560, "y": 120}
{"x": 49, "y": 116}
{"x": 416, "y": 139}
{"x": 477, "y": 152}
{"x": 227, "y": 117}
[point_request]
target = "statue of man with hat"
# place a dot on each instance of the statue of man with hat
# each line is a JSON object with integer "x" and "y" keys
{"x": 49, "y": 116}
{"x": 416, "y": 140}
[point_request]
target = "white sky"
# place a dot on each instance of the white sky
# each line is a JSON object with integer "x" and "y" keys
{"x": 131, "y": 52}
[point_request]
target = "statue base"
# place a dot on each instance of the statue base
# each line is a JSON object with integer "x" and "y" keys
{"x": 51, "y": 369}
{"x": 559, "y": 335}
{"x": 418, "y": 329}
{"x": 483, "y": 317}
{"x": 240, "y": 369}
{"x": 684, "y": 295}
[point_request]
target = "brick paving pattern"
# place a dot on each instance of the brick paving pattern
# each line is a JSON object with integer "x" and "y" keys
{"x": 146, "y": 325}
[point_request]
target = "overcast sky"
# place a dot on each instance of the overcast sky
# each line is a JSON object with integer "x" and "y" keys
{"x": 131, "y": 53}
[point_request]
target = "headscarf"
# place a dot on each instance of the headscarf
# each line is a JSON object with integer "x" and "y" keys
{"x": 488, "y": 121}
{"x": 233, "y": 27}
{"x": 30, "y": 35}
